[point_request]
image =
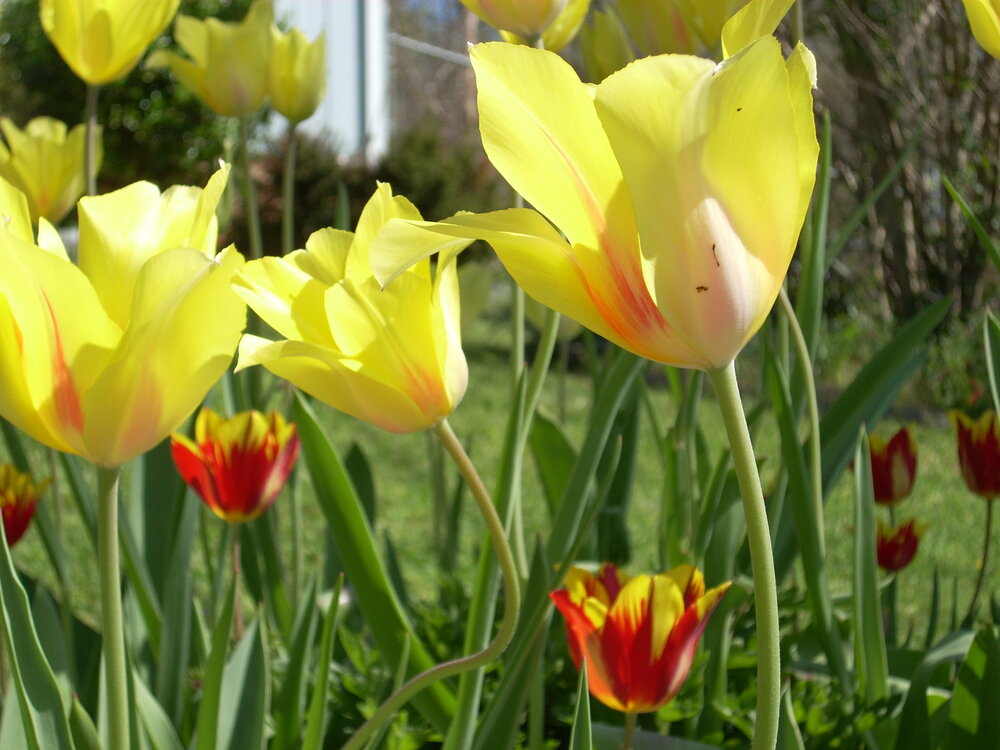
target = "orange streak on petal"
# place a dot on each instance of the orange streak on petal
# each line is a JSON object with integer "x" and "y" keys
{"x": 67, "y": 400}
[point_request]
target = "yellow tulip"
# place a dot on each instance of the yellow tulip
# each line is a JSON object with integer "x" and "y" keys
{"x": 46, "y": 164}
{"x": 393, "y": 358}
{"x": 228, "y": 65}
{"x": 298, "y": 73}
{"x": 663, "y": 26}
{"x": 984, "y": 19}
{"x": 605, "y": 45}
{"x": 561, "y": 31}
{"x": 106, "y": 358}
{"x": 680, "y": 186}
{"x": 102, "y": 40}
{"x": 526, "y": 18}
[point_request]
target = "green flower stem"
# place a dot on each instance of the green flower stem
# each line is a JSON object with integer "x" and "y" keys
{"x": 815, "y": 452}
{"x": 631, "y": 719}
{"x": 512, "y": 593}
{"x": 90, "y": 144}
{"x": 982, "y": 568}
{"x": 112, "y": 631}
{"x": 250, "y": 195}
{"x": 288, "y": 194}
{"x": 761, "y": 557}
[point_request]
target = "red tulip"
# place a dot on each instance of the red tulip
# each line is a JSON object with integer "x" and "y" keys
{"x": 979, "y": 452}
{"x": 894, "y": 466}
{"x": 896, "y": 547}
{"x": 18, "y": 497}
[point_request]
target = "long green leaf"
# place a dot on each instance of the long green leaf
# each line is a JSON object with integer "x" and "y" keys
{"x": 317, "y": 715}
{"x": 43, "y": 715}
{"x": 211, "y": 688}
{"x": 870, "y": 663}
{"x": 356, "y": 547}
{"x": 988, "y": 243}
{"x": 991, "y": 340}
{"x": 581, "y": 738}
{"x": 156, "y": 726}
{"x": 554, "y": 457}
{"x": 974, "y": 718}
{"x": 289, "y": 701}
{"x": 246, "y": 693}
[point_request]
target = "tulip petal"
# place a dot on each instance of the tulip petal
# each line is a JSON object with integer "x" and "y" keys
{"x": 382, "y": 207}
{"x": 326, "y": 255}
{"x": 984, "y": 20}
{"x": 176, "y": 293}
{"x": 14, "y": 216}
{"x": 287, "y": 298}
{"x": 756, "y": 19}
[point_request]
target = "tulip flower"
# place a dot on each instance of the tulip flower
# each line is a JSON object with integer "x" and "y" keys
{"x": 391, "y": 357}
{"x": 680, "y": 219}
{"x": 229, "y": 62}
{"x": 605, "y": 45}
{"x": 557, "y": 34}
{"x": 102, "y": 40}
{"x": 984, "y": 20}
{"x": 894, "y": 466}
{"x": 526, "y": 18}
{"x": 979, "y": 452}
{"x": 106, "y": 358}
{"x": 45, "y": 163}
{"x": 638, "y": 634}
{"x": 666, "y": 26}
{"x": 896, "y": 546}
{"x": 238, "y": 465}
{"x": 19, "y": 494}
{"x": 297, "y": 73}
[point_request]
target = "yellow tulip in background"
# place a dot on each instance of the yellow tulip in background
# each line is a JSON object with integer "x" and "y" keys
{"x": 106, "y": 358}
{"x": 526, "y": 18}
{"x": 667, "y": 26}
{"x": 391, "y": 357}
{"x": 984, "y": 19}
{"x": 560, "y": 32}
{"x": 297, "y": 73}
{"x": 102, "y": 40}
{"x": 45, "y": 163}
{"x": 228, "y": 65}
{"x": 680, "y": 186}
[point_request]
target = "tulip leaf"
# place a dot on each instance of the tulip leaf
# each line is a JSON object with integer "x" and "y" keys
{"x": 580, "y": 738}
{"x": 991, "y": 340}
{"x": 44, "y": 716}
{"x": 316, "y": 717}
{"x": 288, "y": 703}
{"x": 262, "y": 532}
{"x": 809, "y": 292}
{"x": 870, "y": 662}
{"x": 211, "y": 688}
{"x": 84, "y": 730}
{"x": 246, "y": 693}
{"x": 989, "y": 244}
{"x": 973, "y": 718}
{"x": 357, "y": 549}
{"x": 554, "y": 457}
{"x": 156, "y": 725}
{"x": 607, "y": 737}
{"x": 789, "y": 735}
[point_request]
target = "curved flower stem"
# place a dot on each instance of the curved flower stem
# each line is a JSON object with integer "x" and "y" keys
{"x": 288, "y": 194}
{"x": 761, "y": 557}
{"x": 112, "y": 631}
{"x": 250, "y": 195}
{"x": 982, "y": 570}
{"x": 512, "y": 593}
{"x": 90, "y": 144}
{"x": 630, "y": 722}
{"x": 815, "y": 452}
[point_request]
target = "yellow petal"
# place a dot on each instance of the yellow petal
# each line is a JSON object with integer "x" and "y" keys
{"x": 326, "y": 255}
{"x": 297, "y": 73}
{"x": 14, "y": 216}
{"x": 756, "y": 19}
{"x": 170, "y": 355}
{"x": 382, "y": 207}
{"x": 984, "y": 19}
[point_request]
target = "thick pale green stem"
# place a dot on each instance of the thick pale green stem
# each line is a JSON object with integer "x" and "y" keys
{"x": 630, "y": 722}
{"x": 512, "y": 594}
{"x": 250, "y": 195}
{"x": 90, "y": 144}
{"x": 761, "y": 558}
{"x": 982, "y": 567}
{"x": 112, "y": 630}
{"x": 288, "y": 194}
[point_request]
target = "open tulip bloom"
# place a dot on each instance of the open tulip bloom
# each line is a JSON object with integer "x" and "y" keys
{"x": 19, "y": 494}
{"x": 676, "y": 187}
{"x": 894, "y": 466}
{"x": 391, "y": 357}
{"x": 89, "y": 353}
{"x": 638, "y": 635}
{"x": 238, "y": 465}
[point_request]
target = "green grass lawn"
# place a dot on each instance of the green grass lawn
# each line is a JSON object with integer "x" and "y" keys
{"x": 401, "y": 475}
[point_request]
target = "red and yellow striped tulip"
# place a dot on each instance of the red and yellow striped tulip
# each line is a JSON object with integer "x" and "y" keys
{"x": 392, "y": 356}
{"x": 638, "y": 635}
{"x": 979, "y": 451}
{"x": 894, "y": 466}
{"x": 895, "y": 547}
{"x": 19, "y": 494}
{"x": 237, "y": 465}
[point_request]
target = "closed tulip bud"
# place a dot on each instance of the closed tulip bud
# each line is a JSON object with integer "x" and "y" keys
{"x": 19, "y": 494}
{"x": 228, "y": 63}
{"x": 391, "y": 356}
{"x": 526, "y": 18}
{"x": 298, "y": 73}
{"x": 638, "y": 635}
{"x": 106, "y": 358}
{"x": 605, "y": 45}
{"x": 896, "y": 547}
{"x": 894, "y": 466}
{"x": 102, "y": 40}
{"x": 984, "y": 19}
{"x": 979, "y": 452}
{"x": 237, "y": 465}
{"x": 45, "y": 163}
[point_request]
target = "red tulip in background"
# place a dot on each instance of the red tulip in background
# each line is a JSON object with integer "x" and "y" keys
{"x": 638, "y": 634}
{"x": 896, "y": 546}
{"x": 18, "y": 497}
{"x": 894, "y": 466}
{"x": 979, "y": 451}
{"x": 239, "y": 465}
